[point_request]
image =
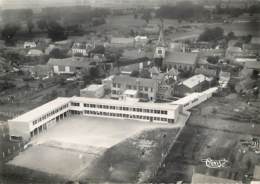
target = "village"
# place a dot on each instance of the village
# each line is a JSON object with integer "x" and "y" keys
{"x": 199, "y": 74}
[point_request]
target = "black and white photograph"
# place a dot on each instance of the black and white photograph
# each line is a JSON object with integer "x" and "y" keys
{"x": 129, "y": 91}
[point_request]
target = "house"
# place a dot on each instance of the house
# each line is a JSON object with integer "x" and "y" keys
{"x": 141, "y": 40}
{"x": 196, "y": 83}
{"x": 233, "y": 52}
{"x": 70, "y": 65}
{"x": 251, "y": 49}
{"x": 178, "y": 46}
{"x": 255, "y": 65}
{"x": 41, "y": 71}
{"x": 82, "y": 48}
{"x": 181, "y": 60}
{"x": 29, "y": 45}
{"x": 93, "y": 91}
{"x": 147, "y": 88}
{"x": 122, "y": 42}
{"x": 35, "y": 52}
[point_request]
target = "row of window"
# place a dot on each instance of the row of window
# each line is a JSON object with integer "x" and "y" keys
{"x": 126, "y": 109}
{"x": 50, "y": 114}
{"x": 150, "y": 118}
{"x": 133, "y": 87}
{"x": 195, "y": 100}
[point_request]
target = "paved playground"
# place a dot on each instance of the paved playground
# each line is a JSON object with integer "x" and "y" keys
{"x": 73, "y": 144}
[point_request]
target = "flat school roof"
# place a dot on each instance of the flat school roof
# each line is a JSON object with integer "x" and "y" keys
{"x": 58, "y": 102}
{"x": 43, "y": 109}
{"x": 149, "y": 105}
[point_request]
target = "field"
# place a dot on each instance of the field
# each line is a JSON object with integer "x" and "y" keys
{"x": 214, "y": 131}
{"x": 73, "y": 145}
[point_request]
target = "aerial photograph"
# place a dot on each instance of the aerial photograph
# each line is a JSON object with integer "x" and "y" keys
{"x": 129, "y": 91}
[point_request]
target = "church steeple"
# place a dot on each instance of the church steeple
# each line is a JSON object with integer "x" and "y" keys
{"x": 160, "y": 49}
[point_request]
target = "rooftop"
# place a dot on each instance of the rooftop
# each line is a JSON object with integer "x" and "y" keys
{"x": 134, "y": 81}
{"x": 181, "y": 57}
{"x": 149, "y": 105}
{"x": 93, "y": 87}
{"x": 72, "y": 61}
{"x": 43, "y": 109}
{"x": 194, "y": 80}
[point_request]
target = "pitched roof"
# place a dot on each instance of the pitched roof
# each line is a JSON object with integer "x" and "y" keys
{"x": 127, "y": 80}
{"x": 72, "y": 61}
{"x": 194, "y": 80}
{"x": 181, "y": 57}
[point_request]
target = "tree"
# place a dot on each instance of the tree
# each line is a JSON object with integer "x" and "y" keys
{"x": 147, "y": 16}
{"x": 99, "y": 49}
{"x": 134, "y": 73}
{"x": 30, "y": 26}
{"x": 231, "y": 35}
{"x": 56, "y": 32}
{"x": 214, "y": 34}
{"x": 42, "y": 24}
{"x": 57, "y": 53}
{"x": 9, "y": 32}
{"x": 213, "y": 59}
{"x": 93, "y": 73}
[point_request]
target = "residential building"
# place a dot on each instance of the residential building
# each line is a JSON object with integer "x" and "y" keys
{"x": 233, "y": 52}
{"x": 181, "y": 61}
{"x": 29, "y": 45}
{"x": 40, "y": 119}
{"x": 141, "y": 40}
{"x": 70, "y": 65}
{"x": 93, "y": 91}
{"x": 82, "y": 48}
{"x": 251, "y": 49}
{"x": 41, "y": 71}
{"x": 147, "y": 88}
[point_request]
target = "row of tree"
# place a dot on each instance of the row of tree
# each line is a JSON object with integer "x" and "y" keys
{"x": 183, "y": 11}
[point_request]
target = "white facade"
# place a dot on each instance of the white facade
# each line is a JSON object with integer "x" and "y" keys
{"x": 41, "y": 118}
{"x": 195, "y": 99}
{"x": 29, "y": 45}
